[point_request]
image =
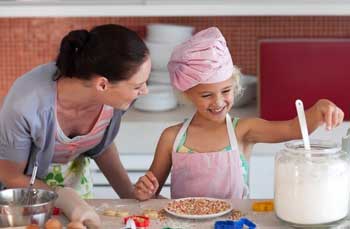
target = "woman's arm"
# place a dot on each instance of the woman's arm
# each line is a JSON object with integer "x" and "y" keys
{"x": 259, "y": 130}
{"x": 111, "y": 166}
{"x": 11, "y": 175}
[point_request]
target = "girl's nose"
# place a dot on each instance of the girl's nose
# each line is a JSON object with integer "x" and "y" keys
{"x": 144, "y": 90}
{"x": 219, "y": 102}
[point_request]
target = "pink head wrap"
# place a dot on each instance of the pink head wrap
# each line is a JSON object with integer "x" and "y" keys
{"x": 203, "y": 59}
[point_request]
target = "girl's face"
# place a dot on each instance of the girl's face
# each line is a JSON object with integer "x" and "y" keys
{"x": 120, "y": 95}
{"x": 212, "y": 101}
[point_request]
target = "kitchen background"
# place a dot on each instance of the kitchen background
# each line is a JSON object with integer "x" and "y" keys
{"x": 29, "y": 41}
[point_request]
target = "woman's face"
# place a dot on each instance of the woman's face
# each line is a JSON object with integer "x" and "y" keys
{"x": 121, "y": 94}
{"x": 212, "y": 101}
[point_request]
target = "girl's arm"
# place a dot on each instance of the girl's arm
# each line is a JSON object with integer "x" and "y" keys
{"x": 258, "y": 130}
{"x": 111, "y": 166}
{"x": 152, "y": 182}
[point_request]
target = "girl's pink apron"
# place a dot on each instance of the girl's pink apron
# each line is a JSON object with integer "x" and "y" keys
{"x": 207, "y": 174}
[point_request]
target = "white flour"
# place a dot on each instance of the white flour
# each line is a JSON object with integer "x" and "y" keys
{"x": 311, "y": 193}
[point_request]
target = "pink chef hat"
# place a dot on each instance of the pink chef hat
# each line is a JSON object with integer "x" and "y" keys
{"x": 204, "y": 58}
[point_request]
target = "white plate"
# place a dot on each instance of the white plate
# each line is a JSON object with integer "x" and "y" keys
{"x": 199, "y": 216}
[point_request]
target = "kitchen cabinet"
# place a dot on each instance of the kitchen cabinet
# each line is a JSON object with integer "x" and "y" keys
{"x": 154, "y": 8}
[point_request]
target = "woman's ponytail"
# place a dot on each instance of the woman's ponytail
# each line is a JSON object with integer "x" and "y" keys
{"x": 72, "y": 46}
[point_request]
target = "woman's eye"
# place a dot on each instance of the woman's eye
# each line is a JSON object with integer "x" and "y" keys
{"x": 205, "y": 96}
{"x": 226, "y": 91}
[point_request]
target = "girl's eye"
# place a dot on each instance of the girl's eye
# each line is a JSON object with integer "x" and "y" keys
{"x": 205, "y": 95}
{"x": 226, "y": 91}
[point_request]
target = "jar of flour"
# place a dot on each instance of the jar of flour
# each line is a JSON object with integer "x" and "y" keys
{"x": 312, "y": 186}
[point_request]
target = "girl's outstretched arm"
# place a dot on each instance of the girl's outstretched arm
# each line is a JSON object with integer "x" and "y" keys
{"x": 259, "y": 130}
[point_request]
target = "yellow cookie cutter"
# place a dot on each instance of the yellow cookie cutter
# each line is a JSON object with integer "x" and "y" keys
{"x": 263, "y": 206}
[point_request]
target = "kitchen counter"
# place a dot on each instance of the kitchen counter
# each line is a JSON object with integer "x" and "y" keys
{"x": 80, "y": 8}
{"x": 265, "y": 220}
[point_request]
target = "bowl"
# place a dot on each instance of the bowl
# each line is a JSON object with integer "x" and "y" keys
{"x": 168, "y": 33}
{"x": 248, "y": 83}
{"x": 14, "y": 213}
{"x": 160, "y": 54}
{"x": 159, "y": 77}
{"x": 159, "y": 98}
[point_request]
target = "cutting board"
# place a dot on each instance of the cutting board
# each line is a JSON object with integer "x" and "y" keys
{"x": 306, "y": 69}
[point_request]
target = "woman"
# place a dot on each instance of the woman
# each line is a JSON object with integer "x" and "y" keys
{"x": 63, "y": 113}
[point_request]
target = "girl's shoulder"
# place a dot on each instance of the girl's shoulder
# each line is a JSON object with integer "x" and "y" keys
{"x": 171, "y": 132}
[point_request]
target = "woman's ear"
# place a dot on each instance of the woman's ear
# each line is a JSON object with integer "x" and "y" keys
{"x": 101, "y": 84}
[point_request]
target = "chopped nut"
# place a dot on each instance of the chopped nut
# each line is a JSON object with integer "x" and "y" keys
{"x": 197, "y": 206}
{"x": 236, "y": 215}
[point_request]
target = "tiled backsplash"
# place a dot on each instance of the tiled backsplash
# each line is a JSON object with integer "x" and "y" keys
{"x": 27, "y": 42}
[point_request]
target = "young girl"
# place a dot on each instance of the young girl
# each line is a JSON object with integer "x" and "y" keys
{"x": 208, "y": 154}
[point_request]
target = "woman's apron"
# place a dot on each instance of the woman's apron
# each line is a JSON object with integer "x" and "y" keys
{"x": 75, "y": 174}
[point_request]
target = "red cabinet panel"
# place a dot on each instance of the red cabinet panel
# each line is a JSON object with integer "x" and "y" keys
{"x": 305, "y": 69}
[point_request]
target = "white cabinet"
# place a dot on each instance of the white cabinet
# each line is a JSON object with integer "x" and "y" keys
{"x": 261, "y": 176}
{"x": 136, "y": 166}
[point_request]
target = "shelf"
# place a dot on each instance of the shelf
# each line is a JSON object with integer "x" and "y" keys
{"x": 146, "y": 8}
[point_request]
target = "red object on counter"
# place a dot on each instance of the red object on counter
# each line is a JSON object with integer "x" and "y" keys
{"x": 306, "y": 69}
{"x": 140, "y": 221}
{"x": 55, "y": 211}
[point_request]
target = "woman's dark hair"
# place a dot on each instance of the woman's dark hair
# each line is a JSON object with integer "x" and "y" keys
{"x": 112, "y": 51}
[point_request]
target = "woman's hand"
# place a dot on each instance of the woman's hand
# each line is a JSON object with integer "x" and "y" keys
{"x": 328, "y": 113}
{"x": 146, "y": 187}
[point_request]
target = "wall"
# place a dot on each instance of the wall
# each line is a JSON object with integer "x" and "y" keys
{"x": 27, "y": 42}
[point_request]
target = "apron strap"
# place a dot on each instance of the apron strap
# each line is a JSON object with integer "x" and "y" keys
{"x": 231, "y": 132}
{"x": 182, "y": 132}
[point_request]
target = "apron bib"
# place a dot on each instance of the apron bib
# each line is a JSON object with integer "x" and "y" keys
{"x": 75, "y": 174}
{"x": 207, "y": 174}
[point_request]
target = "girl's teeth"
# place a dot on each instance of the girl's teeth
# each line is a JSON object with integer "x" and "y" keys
{"x": 217, "y": 110}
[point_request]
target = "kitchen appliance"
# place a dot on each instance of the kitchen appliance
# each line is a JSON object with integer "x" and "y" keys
{"x": 14, "y": 213}
{"x": 309, "y": 69}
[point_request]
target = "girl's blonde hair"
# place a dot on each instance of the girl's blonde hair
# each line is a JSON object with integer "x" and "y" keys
{"x": 237, "y": 87}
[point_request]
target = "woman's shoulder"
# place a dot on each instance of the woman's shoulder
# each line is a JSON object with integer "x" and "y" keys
{"x": 34, "y": 87}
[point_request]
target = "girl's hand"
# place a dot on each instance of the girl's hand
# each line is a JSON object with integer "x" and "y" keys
{"x": 146, "y": 187}
{"x": 331, "y": 115}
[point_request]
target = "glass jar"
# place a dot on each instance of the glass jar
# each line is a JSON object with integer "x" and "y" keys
{"x": 311, "y": 186}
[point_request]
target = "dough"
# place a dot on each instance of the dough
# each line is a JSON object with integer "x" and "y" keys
{"x": 109, "y": 212}
{"x": 53, "y": 224}
{"x": 122, "y": 213}
{"x": 151, "y": 213}
{"x": 75, "y": 225}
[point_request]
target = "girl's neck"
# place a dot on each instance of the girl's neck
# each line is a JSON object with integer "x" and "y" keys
{"x": 203, "y": 122}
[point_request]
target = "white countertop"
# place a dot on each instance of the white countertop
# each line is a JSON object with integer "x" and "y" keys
{"x": 144, "y": 8}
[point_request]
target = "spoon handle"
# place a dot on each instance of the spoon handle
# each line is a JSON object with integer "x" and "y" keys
{"x": 302, "y": 122}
